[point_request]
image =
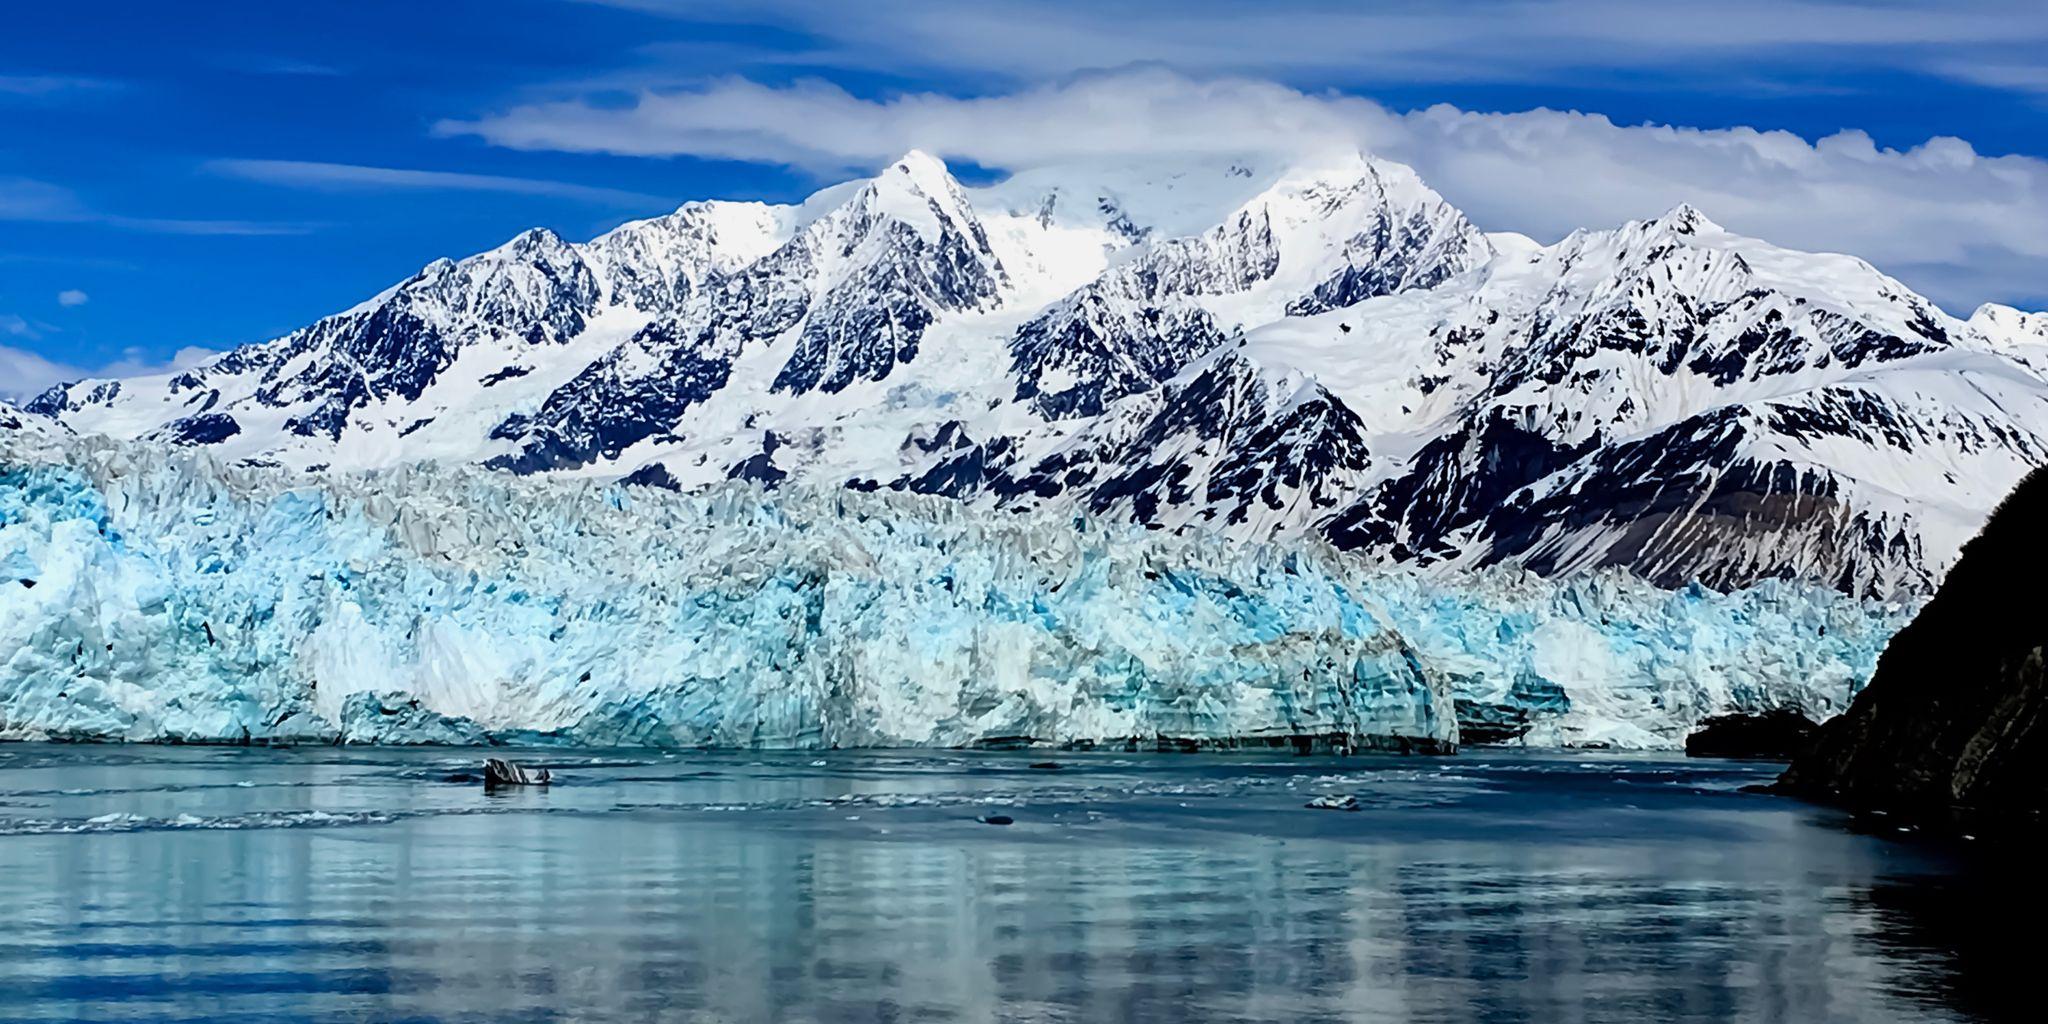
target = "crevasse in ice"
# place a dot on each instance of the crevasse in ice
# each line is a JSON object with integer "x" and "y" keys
{"x": 150, "y": 594}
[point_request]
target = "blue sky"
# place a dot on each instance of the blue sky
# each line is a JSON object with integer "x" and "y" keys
{"x": 178, "y": 175}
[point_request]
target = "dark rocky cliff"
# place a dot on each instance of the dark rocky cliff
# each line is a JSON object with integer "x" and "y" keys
{"x": 1954, "y": 725}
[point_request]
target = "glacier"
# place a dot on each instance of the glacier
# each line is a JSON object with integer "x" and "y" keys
{"x": 156, "y": 593}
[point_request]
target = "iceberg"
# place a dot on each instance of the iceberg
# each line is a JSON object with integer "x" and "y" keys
{"x": 160, "y": 594}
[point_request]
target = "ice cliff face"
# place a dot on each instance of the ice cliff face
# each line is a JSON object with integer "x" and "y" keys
{"x": 1326, "y": 349}
{"x": 151, "y": 592}
{"x": 159, "y": 595}
{"x": 1607, "y": 660}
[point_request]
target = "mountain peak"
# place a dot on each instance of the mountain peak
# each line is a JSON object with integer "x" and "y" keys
{"x": 921, "y": 172}
{"x": 2000, "y": 313}
{"x": 918, "y": 189}
{"x": 527, "y": 243}
{"x": 918, "y": 171}
{"x": 2008, "y": 326}
{"x": 1685, "y": 219}
{"x": 917, "y": 161}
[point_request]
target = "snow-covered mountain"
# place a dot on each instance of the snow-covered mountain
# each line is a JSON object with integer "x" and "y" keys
{"x": 1270, "y": 351}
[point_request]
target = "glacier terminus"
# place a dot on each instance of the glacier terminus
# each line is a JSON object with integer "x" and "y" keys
{"x": 154, "y": 593}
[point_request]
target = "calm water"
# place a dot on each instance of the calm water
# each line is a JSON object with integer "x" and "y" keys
{"x": 343, "y": 884}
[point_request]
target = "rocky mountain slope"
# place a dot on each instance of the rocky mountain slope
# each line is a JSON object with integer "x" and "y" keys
{"x": 1272, "y": 352}
{"x": 1954, "y": 725}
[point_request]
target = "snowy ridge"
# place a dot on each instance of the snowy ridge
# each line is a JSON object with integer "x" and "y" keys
{"x": 1689, "y": 404}
{"x": 1326, "y": 349}
{"x": 151, "y": 592}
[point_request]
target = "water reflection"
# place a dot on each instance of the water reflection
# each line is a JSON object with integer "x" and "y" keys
{"x": 1509, "y": 890}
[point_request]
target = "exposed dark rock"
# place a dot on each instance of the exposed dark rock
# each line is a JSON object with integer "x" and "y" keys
{"x": 1104, "y": 350}
{"x": 654, "y": 474}
{"x": 997, "y": 819}
{"x": 760, "y": 468}
{"x": 1219, "y": 438}
{"x": 959, "y": 476}
{"x": 871, "y": 321}
{"x": 612, "y": 405}
{"x": 205, "y": 428}
{"x": 1455, "y": 481}
{"x": 1775, "y": 735}
{"x": 1953, "y": 728}
{"x": 53, "y": 402}
{"x": 504, "y": 375}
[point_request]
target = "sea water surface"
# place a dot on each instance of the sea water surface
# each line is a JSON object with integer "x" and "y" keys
{"x": 352, "y": 884}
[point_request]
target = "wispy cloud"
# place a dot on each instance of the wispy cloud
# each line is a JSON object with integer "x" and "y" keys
{"x": 47, "y": 86}
{"x": 2009, "y": 75}
{"x": 311, "y": 174}
{"x": 1941, "y": 206}
{"x": 179, "y": 226}
{"x": 67, "y": 260}
{"x": 72, "y": 297}
{"x": 286, "y": 66}
{"x": 31, "y": 200}
{"x": 1392, "y": 40}
{"x": 13, "y": 325}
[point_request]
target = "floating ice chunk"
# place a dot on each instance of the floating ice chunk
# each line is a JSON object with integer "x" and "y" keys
{"x": 500, "y": 772}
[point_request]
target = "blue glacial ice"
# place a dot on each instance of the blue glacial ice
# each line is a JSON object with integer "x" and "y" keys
{"x": 153, "y": 594}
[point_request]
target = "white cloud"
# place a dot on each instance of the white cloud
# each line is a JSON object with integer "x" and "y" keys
{"x": 817, "y": 125}
{"x": 135, "y": 363}
{"x": 25, "y": 374}
{"x": 1963, "y": 226}
{"x": 311, "y": 174}
{"x": 72, "y": 297}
